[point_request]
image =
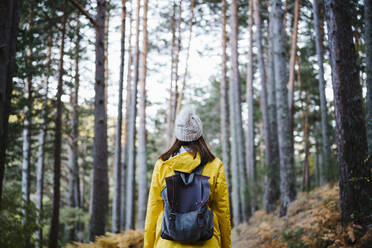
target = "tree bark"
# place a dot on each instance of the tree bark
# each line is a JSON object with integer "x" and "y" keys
{"x": 171, "y": 93}
{"x": 130, "y": 194}
{"x": 368, "y": 44}
{"x": 9, "y": 18}
{"x": 271, "y": 191}
{"x": 117, "y": 157}
{"x": 237, "y": 156}
{"x": 287, "y": 173}
{"x": 73, "y": 198}
{"x": 100, "y": 174}
{"x": 292, "y": 63}
{"x": 54, "y": 227}
{"x": 41, "y": 150}
{"x": 354, "y": 171}
{"x": 224, "y": 114}
{"x": 306, "y": 174}
{"x": 326, "y": 151}
{"x": 180, "y": 97}
{"x": 107, "y": 24}
{"x": 125, "y": 138}
{"x": 142, "y": 168}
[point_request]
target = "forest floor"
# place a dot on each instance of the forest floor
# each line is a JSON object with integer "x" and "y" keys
{"x": 313, "y": 220}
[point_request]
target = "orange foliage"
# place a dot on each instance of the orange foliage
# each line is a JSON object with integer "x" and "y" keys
{"x": 313, "y": 220}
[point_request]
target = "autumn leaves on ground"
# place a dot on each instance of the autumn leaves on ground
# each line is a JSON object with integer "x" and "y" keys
{"x": 313, "y": 220}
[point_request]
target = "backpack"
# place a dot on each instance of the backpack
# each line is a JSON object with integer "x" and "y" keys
{"x": 186, "y": 216}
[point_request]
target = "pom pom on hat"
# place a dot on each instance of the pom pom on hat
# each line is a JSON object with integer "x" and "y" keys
{"x": 188, "y": 125}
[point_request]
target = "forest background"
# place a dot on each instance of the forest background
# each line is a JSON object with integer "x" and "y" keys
{"x": 97, "y": 87}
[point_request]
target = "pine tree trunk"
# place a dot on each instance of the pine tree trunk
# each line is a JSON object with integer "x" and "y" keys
{"x": 54, "y": 227}
{"x": 100, "y": 192}
{"x": 287, "y": 173}
{"x": 170, "y": 123}
{"x": 131, "y": 190}
{"x": 27, "y": 123}
{"x": 271, "y": 191}
{"x": 41, "y": 152}
{"x": 237, "y": 156}
{"x": 73, "y": 198}
{"x": 292, "y": 63}
{"x": 326, "y": 151}
{"x": 181, "y": 94}
{"x": 176, "y": 69}
{"x": 125, "y": 138}
{"x": 368, "y": 45}
{"x": 117, "y": 157}
{"x": 264, "y": 104}
{"x": 306, "y": 174}
{"x": 142, "y": 168}
{"x": 9, "y": 18}
{"x": 107, "y": 24}
{"x": 350, "y": 123}
{"x": 224, "y": 115}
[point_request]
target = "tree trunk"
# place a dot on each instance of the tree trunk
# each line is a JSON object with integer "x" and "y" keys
{"x": 171, "y": 96}
{"x": 237, "y": 156}
{"x": 350, "y": 123}
{"x": 9, "y": 18}
{"x": 306, "y": 174}
{"x": 131, "y": 190}
{"x": 117, "y": 157}
{"x": 54, "y": 227}
{"x": 41, "y": 152}
{"x": 142, "y": 168}
{"x": 271, "y": 191}
{"x": 292, "y": 64}
{"x": 100, "y": 175}
{"x": 26, "y": 146}
{"x": 326, "y": 151}
{"x": 73, "y": 199}
{"x": 125, "y": 143}
{"x": 287, "y": 173}
{"x": 180, "y": 97}
{"x": 224, "y": 115}
{"x": 264, "y": 105}
{"x": 107, "y": 24}
{"x": 368, "y": 44}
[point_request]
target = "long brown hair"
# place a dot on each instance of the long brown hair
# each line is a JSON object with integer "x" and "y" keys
{"x": 197, "y": 146}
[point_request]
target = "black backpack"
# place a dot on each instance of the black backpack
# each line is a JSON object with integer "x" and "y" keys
{"x": 186, "y": 217}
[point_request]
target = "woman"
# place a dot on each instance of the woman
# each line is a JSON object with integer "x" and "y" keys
{"x": 185, "y": 155}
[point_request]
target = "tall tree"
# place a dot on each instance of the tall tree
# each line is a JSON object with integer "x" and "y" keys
{"x": 237, "y": 156}
{"x": 354, "y": 171}
{"x": 129, "y": 217}
{"x": 73, "y": 198}
{"x": 170, "y": 123}
{"x": 118, "y": 148}
{"x": 54, "y": 227}
{"x": 9, "y": 28}
{"x": 107, "y": 24}
{"x": 272, "y": 192}
{"x": 368, "y": 41}
{"x": 41, "y": 149}
{"x": 125, "y": 138}
{"x": 224, "y": 114}
{"x": 287, "y": 173}
{"x": 264, "y": 105}
{"x": 100, "y": 174}
{"x": 326, "y": 151}
{"x": 142, "y": 168}
{"x": 292, "y": 62}
{"x": 182, "y": 91}
{"x": 27, "y": 122}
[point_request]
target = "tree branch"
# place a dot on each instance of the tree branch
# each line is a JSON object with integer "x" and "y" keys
{"x": 83, "y": 11}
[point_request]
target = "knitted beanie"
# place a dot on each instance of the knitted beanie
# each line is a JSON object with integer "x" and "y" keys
{"x": 188, "y": 125}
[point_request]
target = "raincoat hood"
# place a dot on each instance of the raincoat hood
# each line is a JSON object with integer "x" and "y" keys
{"x": 184, "y": 162}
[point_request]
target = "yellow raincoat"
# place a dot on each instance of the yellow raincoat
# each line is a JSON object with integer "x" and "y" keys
{"x": 218, "y": 201}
